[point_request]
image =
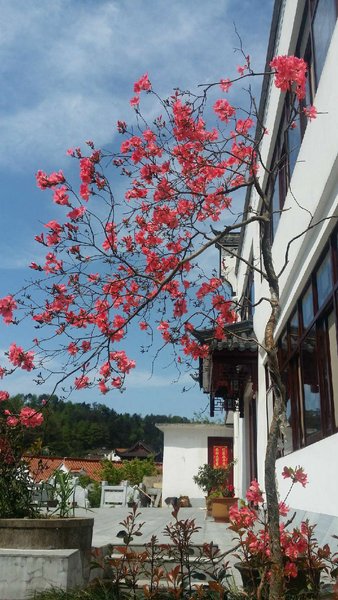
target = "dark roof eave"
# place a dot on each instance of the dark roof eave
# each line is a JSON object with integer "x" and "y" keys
{"x": 240, "y": 337}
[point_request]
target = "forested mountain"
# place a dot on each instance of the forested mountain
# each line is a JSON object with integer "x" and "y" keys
{"x": 78, "y": 429}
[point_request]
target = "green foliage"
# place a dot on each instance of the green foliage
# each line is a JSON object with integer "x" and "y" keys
{"x": 111, "y": 473}
{"x": 76, "y": 429}
{"x": 95, "y": 591}
{"x": 64, "y": 488}
{"x": 84, "y": 481}
{"x": 210, "y": 479}
{"x": 132, "y": 470}
{"x": 16, "y": 492}
{"x": 135, "y": 470}
{"x": 15, "y": 483}
{"x": 94, "y": 494}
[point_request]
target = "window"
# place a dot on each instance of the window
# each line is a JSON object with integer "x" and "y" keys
{"x": 313, "y": 43}
{"x": 308, "y": 357}
{"x": 323, "y": 24}
{"x": 248, "y": 297}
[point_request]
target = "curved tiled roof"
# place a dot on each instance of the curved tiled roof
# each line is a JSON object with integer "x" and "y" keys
{"x": 43, "y": 467}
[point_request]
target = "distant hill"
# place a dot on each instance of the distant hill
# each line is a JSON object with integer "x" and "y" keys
{"x": 79, "y": 429}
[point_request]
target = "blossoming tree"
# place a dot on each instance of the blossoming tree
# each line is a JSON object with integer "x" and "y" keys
{"x": 115, "y": 260}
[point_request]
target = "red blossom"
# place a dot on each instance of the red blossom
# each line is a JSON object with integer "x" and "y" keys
{"x": 143, "y": 84}
{"x": 11, "y": 420}
{"x": 3, "y": 395}
{"x": 86, "y": 170}
{"x": 135, "y": 101}
{"x": 224, "y": 110}
{"x": 254, "y": 493}
{"x": 225, "y": 85}
{"x": 310, "y": 112}
{"x": 296, "y": 475}
{"x": 30, "y": 418}
{"x": 290, "y": 71}
{"x": 61, "y": 196}
{"x": 76, "y": 213}
{"x": 73, "y": 349}
{"x": 121, "y": 126}
{"x": 20, "y": 358}
{"x": 7, "y": 305}
{"x": 283, "y": 509}
{"x": 49, "y": 181}
{"x": 81, "y": 382}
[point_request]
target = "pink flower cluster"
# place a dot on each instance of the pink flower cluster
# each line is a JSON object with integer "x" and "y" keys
{"x": 224, "y": 110}
{"x": 28, "y": 417}
{"x": 296, "y": 475}
{"x": 299, "y": 547}
{"x": 20, "y": 358}
{"x": 143, "y": 84}
{"x": 290, "y": 72}
{"x": 7, "y": 305}
{"x": 49, "y": 181}
{"x": 180, "y": 174}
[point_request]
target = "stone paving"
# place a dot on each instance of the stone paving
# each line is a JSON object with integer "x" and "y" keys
{"x": 107, "y": 525}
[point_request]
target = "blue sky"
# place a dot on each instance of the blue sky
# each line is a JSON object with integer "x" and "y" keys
{"x": 67, "y": 70}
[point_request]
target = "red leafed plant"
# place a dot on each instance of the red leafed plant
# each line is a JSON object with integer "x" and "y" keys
{"x": 303, "y": 558}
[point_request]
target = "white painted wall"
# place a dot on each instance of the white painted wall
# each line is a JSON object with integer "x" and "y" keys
{"x": 319, "y": 461}
{"x": 185, "y": 450}
{"x": 315, "y": 186}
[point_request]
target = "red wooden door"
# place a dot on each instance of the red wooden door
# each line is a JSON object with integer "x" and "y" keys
{"x": 220, "y": 453}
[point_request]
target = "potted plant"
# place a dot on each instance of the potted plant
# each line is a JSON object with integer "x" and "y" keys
{"x": 221, "y": 501}
{"x": 304, "y": 559}
{"x": 215, "y": 483}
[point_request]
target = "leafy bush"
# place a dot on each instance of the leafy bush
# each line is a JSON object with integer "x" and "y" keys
{"x": 133, "y": 470}
{"x": 94, "y": 494}
{"x": 95, "y": 591}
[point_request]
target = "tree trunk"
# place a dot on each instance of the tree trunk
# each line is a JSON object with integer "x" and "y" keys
{"x": 277, "y": 587}
{"x": 277, "y": 583}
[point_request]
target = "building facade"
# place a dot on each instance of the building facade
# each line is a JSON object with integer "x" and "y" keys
{"x": 188, "y": 446}
{"x": 304, "y": 192}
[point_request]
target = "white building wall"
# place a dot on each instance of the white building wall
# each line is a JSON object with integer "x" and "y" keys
{"x": 185, "y": 450}
{"x": 313, "y": 195}
{"x": 319, "y": 461}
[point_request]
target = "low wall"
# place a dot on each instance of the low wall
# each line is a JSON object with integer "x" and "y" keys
{"x": 23, "y": 572}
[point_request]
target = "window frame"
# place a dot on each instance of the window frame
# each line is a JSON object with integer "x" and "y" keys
{"x": 305, "y": 48}
{"x": 289, "y": 354}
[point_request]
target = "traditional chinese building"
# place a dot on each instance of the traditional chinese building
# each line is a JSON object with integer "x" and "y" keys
{"x": 304, "y": 194}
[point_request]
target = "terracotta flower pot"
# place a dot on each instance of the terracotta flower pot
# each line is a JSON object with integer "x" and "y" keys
{"x": 307, "y": 580}
{"x": 220, "y": 508}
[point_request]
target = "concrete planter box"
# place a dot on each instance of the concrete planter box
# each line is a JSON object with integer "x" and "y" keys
{"x": 48, "y": 539}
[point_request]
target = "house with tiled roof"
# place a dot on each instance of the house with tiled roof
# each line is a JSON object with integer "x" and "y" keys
{"x": 42, "y": 468}
{"x": 139, "y": 450}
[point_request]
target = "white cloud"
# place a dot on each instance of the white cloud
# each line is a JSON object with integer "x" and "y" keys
{"x": 146, "y": 379}
{"x": 68, "y": 67}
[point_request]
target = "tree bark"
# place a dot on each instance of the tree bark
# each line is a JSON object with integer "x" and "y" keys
{"x": 277, "y": 583}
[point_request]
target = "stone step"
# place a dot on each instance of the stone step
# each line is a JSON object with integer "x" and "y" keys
{"x": 201, "y": 566}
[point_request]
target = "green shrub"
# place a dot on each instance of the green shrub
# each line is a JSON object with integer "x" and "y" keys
{"x": 135, "y": 470}
{"x": 94, "y": 495}
{"x": 132, "y": 470}
{"x": 95, "y": 591}
{"x": 111, "y": 473}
